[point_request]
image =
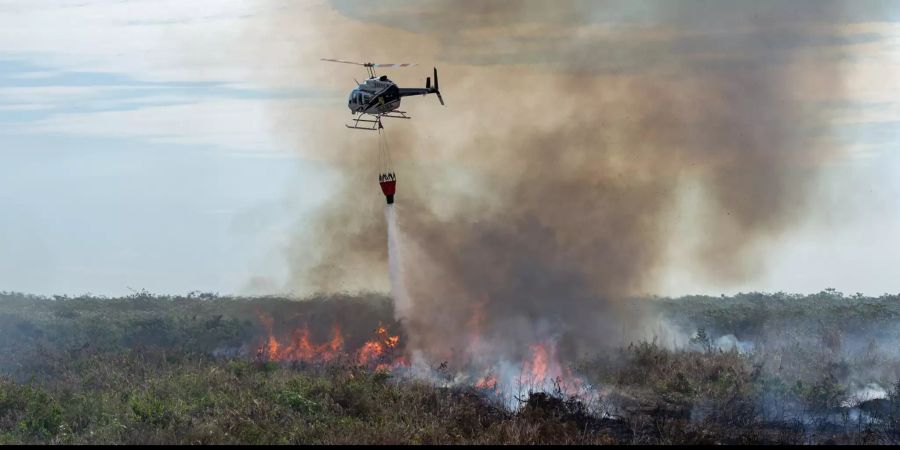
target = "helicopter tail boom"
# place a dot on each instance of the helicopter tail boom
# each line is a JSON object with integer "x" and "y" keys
{"x": 428, "y": 89}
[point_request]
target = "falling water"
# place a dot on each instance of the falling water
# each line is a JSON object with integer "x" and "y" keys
{"x": 402, "y": 302}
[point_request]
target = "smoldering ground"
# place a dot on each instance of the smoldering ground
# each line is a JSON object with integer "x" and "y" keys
{"x": 545, "y": 194}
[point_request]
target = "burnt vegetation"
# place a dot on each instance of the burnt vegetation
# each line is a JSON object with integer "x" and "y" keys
{"x": 753, "y": 368}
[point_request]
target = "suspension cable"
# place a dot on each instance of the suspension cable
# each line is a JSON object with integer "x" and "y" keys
{"x": 384, "y": 152}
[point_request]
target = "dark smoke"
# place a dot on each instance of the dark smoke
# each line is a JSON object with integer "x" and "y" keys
{"x": 545, "y": 194}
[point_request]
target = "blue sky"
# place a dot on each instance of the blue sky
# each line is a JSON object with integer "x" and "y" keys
{"x": 141, "y": 145}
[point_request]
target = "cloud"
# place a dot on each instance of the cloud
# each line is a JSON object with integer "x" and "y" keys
{"x": 219, "y": 123}
{"x": 148, "y": 39}
{"x": 141, "y": 69}
{"x": 34, "y": 75}
{"x": 66, "y": 95}
{"x": 26, "y": 107}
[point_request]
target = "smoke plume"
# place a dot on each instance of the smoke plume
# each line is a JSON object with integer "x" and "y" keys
{"x": 546, "y": 193}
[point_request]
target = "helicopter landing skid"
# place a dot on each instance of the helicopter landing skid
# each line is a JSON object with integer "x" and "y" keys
{"x": 396, "y": 115}
{"x": 375, "y": 121}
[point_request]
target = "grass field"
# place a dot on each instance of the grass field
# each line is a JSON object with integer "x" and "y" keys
{"x": 753, "y": 368}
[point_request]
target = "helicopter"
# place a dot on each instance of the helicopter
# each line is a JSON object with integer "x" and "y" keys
{"x": 379, "y": 97}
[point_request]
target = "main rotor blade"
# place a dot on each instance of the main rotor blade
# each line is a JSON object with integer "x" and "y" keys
{"x": 368, "y": 64}
{"x": 346, "y": 62}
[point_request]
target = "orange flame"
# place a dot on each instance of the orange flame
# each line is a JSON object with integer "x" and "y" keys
{"x": 488, "y": 383}
{"x": 378, "y": 349}
{"x": 369, "y": 352}
{"x": 272, "y": 347}
{"x": 378, "y": 352}
{"x": 544, "y": 367}
{"x": 299, "y": 347}
{"x": 536, "y": 369}
{"x": 382, "y": 353}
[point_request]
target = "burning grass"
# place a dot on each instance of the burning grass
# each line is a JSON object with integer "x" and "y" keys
{"x": 158, "y": 398}
{"x": 381, "y": 352}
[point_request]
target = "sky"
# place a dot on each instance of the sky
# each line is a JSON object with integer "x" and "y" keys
{"x": 143, "y": 142}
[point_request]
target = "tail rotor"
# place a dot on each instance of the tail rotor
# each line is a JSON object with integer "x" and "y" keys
{"x": 436, "y": 90}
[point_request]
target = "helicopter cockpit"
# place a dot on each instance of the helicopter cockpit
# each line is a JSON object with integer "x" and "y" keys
{"x": 358, "y": 97}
